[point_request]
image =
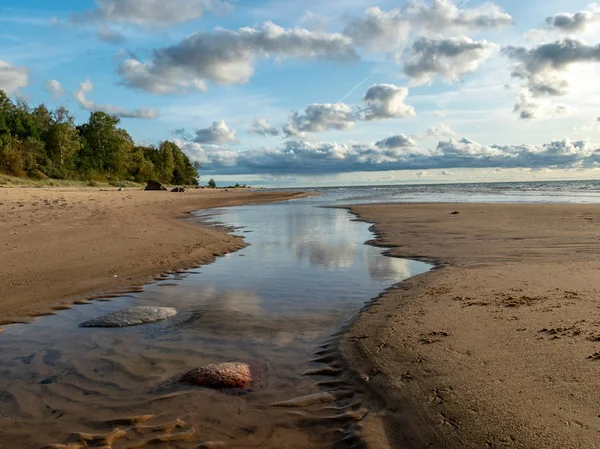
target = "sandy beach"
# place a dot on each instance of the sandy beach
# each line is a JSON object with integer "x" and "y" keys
{"x": 66, "y": 245}
{"x": 496, "y": 347}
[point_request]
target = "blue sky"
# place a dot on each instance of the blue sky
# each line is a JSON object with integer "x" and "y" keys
{"x": 436, "y": 74}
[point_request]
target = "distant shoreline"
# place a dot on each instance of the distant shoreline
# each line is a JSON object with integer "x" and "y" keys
{"x": 61, "y": 245}
{"x": 495, "y": 346}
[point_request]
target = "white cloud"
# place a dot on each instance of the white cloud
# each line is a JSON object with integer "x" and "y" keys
{"x": 579, "y": 22}
{"x": 380, "y": 102}
{"x": 529, "y": 108}
{"x": 149, "y": 12}
{"x": 544, "y": 69}
{"x": 525, "y": 106}
{"x": 551, "y": 57}
{"x": 385, "y": 101}
{"x": 55, "y": 88}
{"x": 444, "y": 17}
{"x": 262, "y": 127}
{"x": 441, "y": 130}
{"x": 398, "y": 141}
{"x": 303, "y": 157}
{"x": 321, "y": 117}
{"x": 87, "y": 87}
{"x": 171, "y": 79}
{"x": 228, "y": 57}
{"x": 12, "y": 78}
{"x": 447, "y": 58}
{"x": 217, "y": 133}
{"x": 379, "y": 30}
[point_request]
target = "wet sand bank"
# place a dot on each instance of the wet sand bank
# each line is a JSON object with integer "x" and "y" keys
{"x": 499, "y": 345}
{"x": 63, "y": 245}
{"x": 76, "y": 386}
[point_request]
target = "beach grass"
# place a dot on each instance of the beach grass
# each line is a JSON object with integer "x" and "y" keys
{"x": 14, "y": 181}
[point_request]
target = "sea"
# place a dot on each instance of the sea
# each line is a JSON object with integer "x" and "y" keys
{"x": 584, "y": 192}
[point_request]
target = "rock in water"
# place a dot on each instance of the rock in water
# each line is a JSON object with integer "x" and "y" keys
{"x": 131, "y": 317}
{"x": 315, "y": 398}
{"x": 220, "y": 375}
{"x": 178, "y": 189}
{"x": 154, "y": 185}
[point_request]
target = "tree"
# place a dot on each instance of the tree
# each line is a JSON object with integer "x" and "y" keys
{"x": 106, "y": 147}
{"x": 63, "y": 143}
{"x": 167, "y": 161}
{"x": 212, "y": 184}
{"x": 38, "y": 142}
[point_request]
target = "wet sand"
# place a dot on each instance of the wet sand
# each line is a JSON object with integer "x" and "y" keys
{"x": 64, "y": 245}
{"x": 497, "y": 347}
{"x": 118, "y": 388}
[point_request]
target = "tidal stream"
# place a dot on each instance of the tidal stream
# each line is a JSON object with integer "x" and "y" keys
{"x": 272, "y": 305}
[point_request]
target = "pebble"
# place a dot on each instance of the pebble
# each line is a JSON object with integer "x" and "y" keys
{"x": 220, "y": 375}
{"x": 132, "y": 317}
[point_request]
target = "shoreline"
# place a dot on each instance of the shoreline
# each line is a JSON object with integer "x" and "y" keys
{"x": 496, "y": 345}
{"x": 62, "y": 246}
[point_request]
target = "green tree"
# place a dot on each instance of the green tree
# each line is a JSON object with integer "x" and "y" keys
{"x": 167, "y": 161}
{"x": 38, "y": 142}
{"x": 63, "y": 143}
{"x": 106, "y": 147}
{"x": 212, "y": 184}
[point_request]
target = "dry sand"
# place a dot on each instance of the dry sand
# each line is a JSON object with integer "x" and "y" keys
{"x": 499, "y": 346}
{"x": 58, "y": 246}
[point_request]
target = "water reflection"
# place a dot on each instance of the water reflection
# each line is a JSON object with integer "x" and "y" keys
{"x": 305, "y": 272}
{"x": 389, "y": 268}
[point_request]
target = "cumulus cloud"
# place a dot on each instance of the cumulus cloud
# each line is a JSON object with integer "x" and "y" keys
{"x": 543, "y": 68}
{"x": 379, "y": 30}
{"x": 441, "y": 130}
{"x": 294, "y": 156}
{"x": 444, "y": 17}
{"x": 55, "y": 88}
{"x": 575, "y": 23}
{"x": 530, "y": 108}
{"x": 262, "y": 126}
{"x": 385, "y": 101}
{"x": 389, "y": 30}
{"x": 551, "y": 57}
{"x": 330, "y": 157}
{"x": 229, "y": 57}
{"x": 398, "y": 141}
{"x": 12, "y": 77}
{"x": 148, "y": 12}
{"x": 525, "y": 106}
{"x": 217, "y": 133}
{"x": 87, "y": 87}
{"x": 380, "y": 102}
{"x": 321, "y": 117}
{"x": 448, "y": 58}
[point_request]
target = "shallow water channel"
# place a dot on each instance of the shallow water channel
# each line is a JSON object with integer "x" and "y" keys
{"x": 272, "y": 305}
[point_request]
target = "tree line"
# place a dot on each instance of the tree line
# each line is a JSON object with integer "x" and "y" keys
{"x": 40, "y": 143}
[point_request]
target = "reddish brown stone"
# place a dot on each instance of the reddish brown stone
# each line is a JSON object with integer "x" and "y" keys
{"x": 220, "y": 375}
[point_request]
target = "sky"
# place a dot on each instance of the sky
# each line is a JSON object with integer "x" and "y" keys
{"x": 301, "y": 93}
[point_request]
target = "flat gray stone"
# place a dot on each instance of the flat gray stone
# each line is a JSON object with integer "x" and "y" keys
{"x": 132, "y": 317}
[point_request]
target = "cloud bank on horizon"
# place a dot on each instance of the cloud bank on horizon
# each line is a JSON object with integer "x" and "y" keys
{"x": 307, "y": 88}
